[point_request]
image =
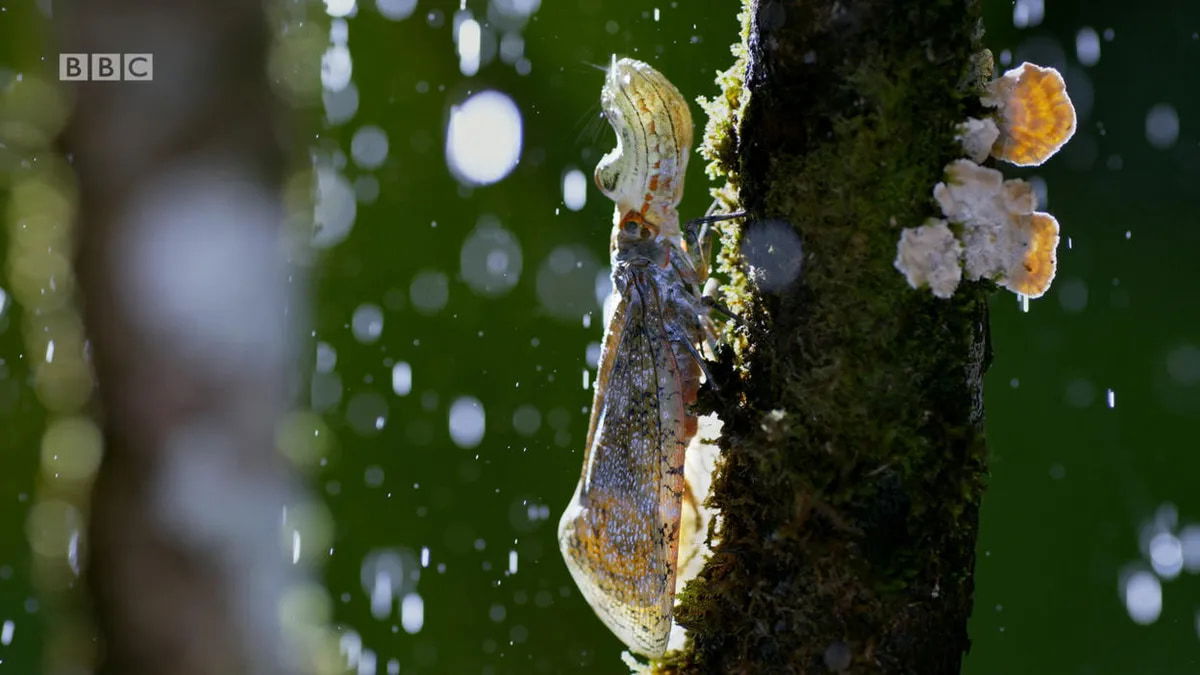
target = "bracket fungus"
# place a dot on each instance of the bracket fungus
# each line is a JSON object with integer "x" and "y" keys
{"x": 994, "y": 232}
{"x": 929, "y": 256}
{"x": 1033, "y": 112}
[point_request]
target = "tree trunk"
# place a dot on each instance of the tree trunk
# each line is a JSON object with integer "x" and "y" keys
{"x": 187, "y": 311}
{"x": 853, "y": 439}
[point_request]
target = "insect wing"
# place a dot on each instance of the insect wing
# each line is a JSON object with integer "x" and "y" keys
{"x": 620, "y": 534}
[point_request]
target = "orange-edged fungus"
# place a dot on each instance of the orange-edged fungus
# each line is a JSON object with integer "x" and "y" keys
{"x": 1039, "y": 235}
{"x": 1033, "y": 112}
{"x": 1002, "y": 238}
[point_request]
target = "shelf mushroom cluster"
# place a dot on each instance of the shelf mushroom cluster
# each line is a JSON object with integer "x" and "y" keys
{"x": 990, "y": 228}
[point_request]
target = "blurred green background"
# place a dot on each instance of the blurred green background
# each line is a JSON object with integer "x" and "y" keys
{"x": 448, "y": 305}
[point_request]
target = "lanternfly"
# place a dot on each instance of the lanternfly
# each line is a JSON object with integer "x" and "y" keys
{"x": 620, "y": 534}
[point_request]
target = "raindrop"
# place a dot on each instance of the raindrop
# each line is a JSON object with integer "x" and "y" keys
{"x": 512, "y": 47}
{"x": 526, "y": 420}
{"x": 1028, "y": 13}
{"x": 339, "y": 31}
{"x": 367, "y": 413}
{"x": 1041, "y": 190}
{"x": 381, "y": 596}
{"x": 369, "y": 147}
{"x": 3, "y": 302}
{"x": 516, "y": 9}
{"x": 399, "y": 565}
{"x": 497, "y": 613}
{"x": 339, "y": 8}
{"x": 6, "y": 633}
{"x": 366, "y": 189}
{"x": 71, "y": 448}
{"x": 483, "y": 138}
{"x": 1087, "y": 46}
{"x": 367, "y": 323}
{"x": 350, "y": 646}
{"x": 567, "y": 280}
{"x": 1073, "y": 295}
{"x": 838, "y": 656}
{"x": 772, "y": 248}
{"x": 336, "y": 68}
{"x": 592, "y": 354}
{"x": 334, "y": 210}
{"x": 490, "y": 260}
{"x": 1162, "y": 126}
{"x": 603, "y": 286}
{"x": 1080, "y": 393}
{"x": 402, "y": 379}
{"x": 574, "y": 189}
{"x": 429, "y": 292}
{"x": 1183, "y": 365}
{"x": 412, "y": 613}
{"x": 396, "y": 10}
{"x": 1189, "y": 546}
{"x": 466, "y": 422}
{"x": 366, "y": 662}
{"x": 325, "y": 392}
{"x": 340, "y": 105}
{"x": 326, "y": 357}
{"x": 468, "y": 38}
{"x": 1143, "y": 597}
{"x": 1166, "y": 555}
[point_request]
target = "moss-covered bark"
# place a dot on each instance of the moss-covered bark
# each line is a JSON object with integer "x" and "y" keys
{"x": 854, "y": 449}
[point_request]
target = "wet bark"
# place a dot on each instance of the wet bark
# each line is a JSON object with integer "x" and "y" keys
{"x": 185, "y": 302}
{"x": 854, "y": 456}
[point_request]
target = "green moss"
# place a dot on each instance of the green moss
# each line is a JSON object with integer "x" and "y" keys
{"x": 854, "y": 456}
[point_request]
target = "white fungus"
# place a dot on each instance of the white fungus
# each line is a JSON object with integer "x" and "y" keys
{"x": 929, "y": 256}
{"x": 977, "y": 137}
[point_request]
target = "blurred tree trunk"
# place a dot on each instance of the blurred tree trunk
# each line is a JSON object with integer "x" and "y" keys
{"x": 854, "y": 449}
{"x": 186, "y": 303}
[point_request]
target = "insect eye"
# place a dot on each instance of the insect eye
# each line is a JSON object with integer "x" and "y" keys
{"x": 630, "y": 226}
{"x": 645, "y": 232}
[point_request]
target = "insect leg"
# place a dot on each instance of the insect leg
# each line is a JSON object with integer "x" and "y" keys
{"x": 699, "y": 361}
{"x": 699, "y": 237}
{"x": 712, "y": 303}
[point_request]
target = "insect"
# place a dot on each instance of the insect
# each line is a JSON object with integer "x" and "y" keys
{"x": 620, "y": 533}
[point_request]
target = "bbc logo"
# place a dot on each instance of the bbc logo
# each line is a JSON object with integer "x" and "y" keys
{"x": 105, "y": 67}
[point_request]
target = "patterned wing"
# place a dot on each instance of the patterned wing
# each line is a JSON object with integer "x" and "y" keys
{"x": 620, "y": 533}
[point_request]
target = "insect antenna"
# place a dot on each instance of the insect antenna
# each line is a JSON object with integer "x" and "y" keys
{"x": 590, "y": 126}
